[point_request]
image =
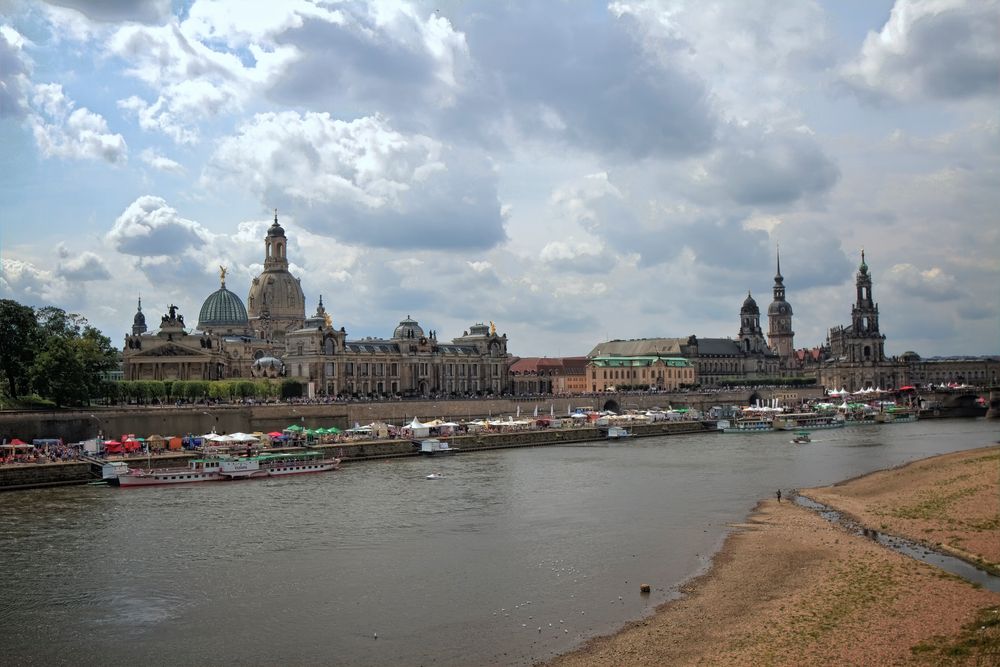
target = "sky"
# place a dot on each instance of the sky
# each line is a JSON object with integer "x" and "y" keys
{"x": 572, "y": 171}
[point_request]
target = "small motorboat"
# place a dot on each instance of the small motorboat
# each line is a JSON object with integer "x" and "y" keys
{"x": 801, "y": 438}
{"x": 435, "y": 475}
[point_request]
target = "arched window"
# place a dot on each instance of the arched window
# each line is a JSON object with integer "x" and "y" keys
{"x": 328, "y": 346}
{"x": 867, "y": 352}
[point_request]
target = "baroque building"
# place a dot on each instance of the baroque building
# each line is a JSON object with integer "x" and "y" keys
{"x": 745, "y": 358}
{"x": 273, "y": 338}
{"x": 854, "y": 355}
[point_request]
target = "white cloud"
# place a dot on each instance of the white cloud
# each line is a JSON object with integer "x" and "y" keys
{"x": 161, "y": 162}
{"x": 143, "y": 11}
{"x": 62, "y": 131}
{"x": 150, "y": 228}
{"x": 754, "y": 55}
{"x": 14, "y": 70}
{"x": 362, "y": 181}
{"x": 937, "y": 49}
{"x": 932, "y": 284}
{"x": 83, "y": 267}
{"x": 28, "y": 284}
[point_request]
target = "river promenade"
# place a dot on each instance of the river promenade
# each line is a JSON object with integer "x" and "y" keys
{"x": 791, "y": 588}
{"x": 38, "y": 475}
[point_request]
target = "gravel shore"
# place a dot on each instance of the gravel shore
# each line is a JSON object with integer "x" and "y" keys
{"x": 790, "y": 588}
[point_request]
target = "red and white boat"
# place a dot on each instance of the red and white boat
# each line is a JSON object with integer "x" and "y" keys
{"x": 222, "y": 468}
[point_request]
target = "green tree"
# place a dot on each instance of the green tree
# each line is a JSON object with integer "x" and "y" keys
{"x": 19, "y": 340}
{"x": 58, "y": 374}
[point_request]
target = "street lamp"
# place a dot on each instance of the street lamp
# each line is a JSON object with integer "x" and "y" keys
{"x": 100, "y": 428}
{"x": 215, "y": 426}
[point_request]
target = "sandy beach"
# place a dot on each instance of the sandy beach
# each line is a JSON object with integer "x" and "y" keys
{"x": 790, "y": 588}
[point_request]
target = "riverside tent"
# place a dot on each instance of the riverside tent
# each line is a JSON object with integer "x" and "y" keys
{"x": 416, "y": 430}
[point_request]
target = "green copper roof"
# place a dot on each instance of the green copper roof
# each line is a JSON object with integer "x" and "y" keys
{"x": 222, "y": 309}
{"x": 612, "y": 362}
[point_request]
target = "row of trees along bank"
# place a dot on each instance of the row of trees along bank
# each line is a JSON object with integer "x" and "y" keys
{"x": 195, "y": 391}
{"x": 49, "y": 357}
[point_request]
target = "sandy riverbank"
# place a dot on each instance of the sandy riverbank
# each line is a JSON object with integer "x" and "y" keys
{"x": 789, "y": 588}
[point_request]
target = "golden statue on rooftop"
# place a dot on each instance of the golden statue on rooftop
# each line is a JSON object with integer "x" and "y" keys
{"x": 493, "y": 328}
{"x": 222, "y": 275}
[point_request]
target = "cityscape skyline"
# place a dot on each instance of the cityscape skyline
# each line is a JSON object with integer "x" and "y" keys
{"x": 623, "y": 172}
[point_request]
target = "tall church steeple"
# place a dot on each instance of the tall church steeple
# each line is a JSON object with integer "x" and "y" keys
{"x": 868, "y": 340}
{"x": 780, "y": 336}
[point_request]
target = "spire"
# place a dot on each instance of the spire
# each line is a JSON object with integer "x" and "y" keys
{"x": 778, "y": 276}
{"x": 139, "y": 308}
{"x": 275, "y": 216}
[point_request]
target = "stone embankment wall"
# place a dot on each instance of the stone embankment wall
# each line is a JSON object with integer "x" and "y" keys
{"x": 76, "y": 425}
{"x": 51, "y": 474}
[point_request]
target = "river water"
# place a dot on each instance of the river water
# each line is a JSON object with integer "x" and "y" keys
{"x": 512, "y": 557}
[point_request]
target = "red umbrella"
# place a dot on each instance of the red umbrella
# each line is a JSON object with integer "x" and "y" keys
{"x": 275, "y": 434}
{"x": 907, "y": 388}
{"x": 16, "y": 441}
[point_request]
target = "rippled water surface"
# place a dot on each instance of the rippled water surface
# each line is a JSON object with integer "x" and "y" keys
{"x": 513, "y": 556}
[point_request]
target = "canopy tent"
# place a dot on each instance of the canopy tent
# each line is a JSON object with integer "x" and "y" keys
{"x": 295, "y": 427}
{"x": 242, "y": 437}
{"x": 276, "y": 434}
{"x": 16, "y": 444}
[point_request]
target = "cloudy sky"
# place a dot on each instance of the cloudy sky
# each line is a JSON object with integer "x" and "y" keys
{"x": 572, "y": 171}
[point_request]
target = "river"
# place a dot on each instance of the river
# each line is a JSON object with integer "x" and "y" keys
{"x": 512, "y": 557}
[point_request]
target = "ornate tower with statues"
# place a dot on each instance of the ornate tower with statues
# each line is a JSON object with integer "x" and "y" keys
{"x": 276, "y": 304}
{"x": 779, "y": 321}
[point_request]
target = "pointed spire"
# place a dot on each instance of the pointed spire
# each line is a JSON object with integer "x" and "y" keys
{"x": 139, "y": 308}
{"x": 275, "y": 216}
{"x": 779, "y": 261}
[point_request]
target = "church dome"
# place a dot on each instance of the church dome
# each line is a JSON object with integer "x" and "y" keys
{"x": 139, "y": 320}
{"x": 223, "y": 310}
{"x": 750, "y": 305}
{"x": 408, "y": 328}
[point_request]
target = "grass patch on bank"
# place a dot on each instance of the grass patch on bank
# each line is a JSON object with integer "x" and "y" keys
{"x": 978, "y": 642}
{"x": 934, "y": 506}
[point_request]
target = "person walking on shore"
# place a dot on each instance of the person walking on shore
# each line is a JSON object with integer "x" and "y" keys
{"x": 779, "y": 495}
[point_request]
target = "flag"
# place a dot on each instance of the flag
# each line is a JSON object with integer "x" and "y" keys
{"x": 536, "y": 410}
{"x": 519, "y": 411}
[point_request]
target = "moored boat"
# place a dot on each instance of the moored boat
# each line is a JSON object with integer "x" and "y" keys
{"x": 618, "y": 433}
{"x": 746, "y": 425}
{"x": 801, "y": 438}
{"x": 221, "y": 468}
{"x": 808, "y": 420}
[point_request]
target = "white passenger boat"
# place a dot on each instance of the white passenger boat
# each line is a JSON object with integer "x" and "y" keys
{"x": 808, "y": 421}
{"x": 746, "y": 425}
{"x": 618, "y": 433}
{"x": 222, "y": 468}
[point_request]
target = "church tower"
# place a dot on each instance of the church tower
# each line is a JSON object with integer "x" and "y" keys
{"x": 779, "y": 320}
{"x": 868, "y": 342}
{"x": 276, "y": 304}
{"x": 139, "y": 321}
{"x": 751, "y": 336}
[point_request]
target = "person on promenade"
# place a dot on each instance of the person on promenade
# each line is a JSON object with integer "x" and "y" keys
{"x": 779, "y": 495}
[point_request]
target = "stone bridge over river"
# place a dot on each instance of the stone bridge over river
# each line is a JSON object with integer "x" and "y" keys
{"x": 75, "y": 425}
